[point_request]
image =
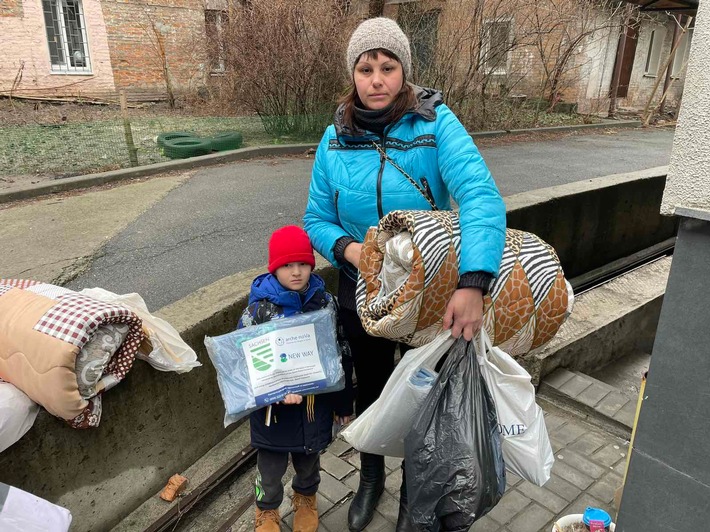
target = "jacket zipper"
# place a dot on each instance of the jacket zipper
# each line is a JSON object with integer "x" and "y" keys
{"x": 427, "y": 189}
{"x": 337, "y": 214}
{"x": 380, "y": 212}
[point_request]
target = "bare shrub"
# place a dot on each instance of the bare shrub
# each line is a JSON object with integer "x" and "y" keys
{"x": 284, "y": 60}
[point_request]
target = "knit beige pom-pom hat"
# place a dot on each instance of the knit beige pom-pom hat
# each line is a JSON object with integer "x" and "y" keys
{"x": 382, "y": 33}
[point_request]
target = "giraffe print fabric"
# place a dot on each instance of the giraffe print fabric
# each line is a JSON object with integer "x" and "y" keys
{"x": 409, "y": 270}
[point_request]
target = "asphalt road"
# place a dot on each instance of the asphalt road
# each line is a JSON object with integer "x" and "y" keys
{"x": 217, "y": 223}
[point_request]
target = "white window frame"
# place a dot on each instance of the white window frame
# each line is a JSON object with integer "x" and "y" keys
{"x": 681, "y": 54}
{"x": 485, "y": 49}
{"x": 66, "y": 66}
{"x": 219, "y": 29}
{"x": 653, "y": 54}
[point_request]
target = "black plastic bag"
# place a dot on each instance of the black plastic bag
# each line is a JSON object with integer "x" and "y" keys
{"x": 453, "y": 459}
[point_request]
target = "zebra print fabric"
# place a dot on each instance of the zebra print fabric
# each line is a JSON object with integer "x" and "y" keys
{"x": 409, "y": 270}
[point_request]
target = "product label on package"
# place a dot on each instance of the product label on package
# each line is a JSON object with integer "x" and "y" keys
{"x": 596, "y": 526}
{"x": 282, "y": 362}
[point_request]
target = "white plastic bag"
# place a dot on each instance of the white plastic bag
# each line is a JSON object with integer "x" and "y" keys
{"x": 23, "y": 512}
{"x": 526, "y": 446}
{"x": 381, "y": 428}
{"x": 17, "y": 414}
{"x": 170, "y": 352}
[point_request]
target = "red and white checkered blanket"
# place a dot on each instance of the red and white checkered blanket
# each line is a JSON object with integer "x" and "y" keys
{"x": 72, "y": 319}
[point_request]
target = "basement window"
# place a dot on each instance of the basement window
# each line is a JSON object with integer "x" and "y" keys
{"x": 653, "y": 56}
{"x": 66, "y": 36}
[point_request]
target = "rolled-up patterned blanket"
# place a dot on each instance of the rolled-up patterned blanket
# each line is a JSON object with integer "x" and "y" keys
{"x": 409, "y": 270}
{"x": 63, "y": 349}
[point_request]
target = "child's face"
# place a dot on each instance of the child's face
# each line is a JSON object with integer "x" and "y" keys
{"x": 294, "y": 275}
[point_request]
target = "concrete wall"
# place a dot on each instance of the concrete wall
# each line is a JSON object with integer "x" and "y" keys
{"x": 25, "y": 51}
{"x": 156, "y": 424}
{"x": 689, "y": 173}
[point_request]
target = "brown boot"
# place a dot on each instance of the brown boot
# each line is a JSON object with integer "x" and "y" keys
{"x": 305, "y": 516}
{"x": 267, "y": 521}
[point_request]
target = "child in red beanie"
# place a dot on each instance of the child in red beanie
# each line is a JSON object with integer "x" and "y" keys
{"x": 301, "y": 426}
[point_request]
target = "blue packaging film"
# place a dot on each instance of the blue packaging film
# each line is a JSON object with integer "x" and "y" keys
{"x": 259, "y": 365}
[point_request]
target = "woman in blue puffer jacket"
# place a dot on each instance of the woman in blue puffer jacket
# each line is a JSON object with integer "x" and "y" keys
{"x": 385, "y": 119}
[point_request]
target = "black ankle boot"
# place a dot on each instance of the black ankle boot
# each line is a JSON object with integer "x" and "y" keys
{"x": 404, "y": 520}
{"x": 372, "y": 484}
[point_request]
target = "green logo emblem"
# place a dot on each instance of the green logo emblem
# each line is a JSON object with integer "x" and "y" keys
{"x": 262, "y": 357}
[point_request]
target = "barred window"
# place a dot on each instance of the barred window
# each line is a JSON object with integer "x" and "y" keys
{"x": 215, "y": 24}
{"x": 496, "y": 45}
{"x": 66, "y": 35}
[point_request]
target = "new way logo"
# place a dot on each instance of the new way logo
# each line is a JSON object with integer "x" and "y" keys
{"x": 283, "y": 357}
{"x": 262, "y": 357}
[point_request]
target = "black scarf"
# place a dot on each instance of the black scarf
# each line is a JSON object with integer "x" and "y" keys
{"x": 375, "y": 121}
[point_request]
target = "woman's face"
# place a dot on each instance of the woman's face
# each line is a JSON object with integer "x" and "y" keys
{"x": 378, "y": 81}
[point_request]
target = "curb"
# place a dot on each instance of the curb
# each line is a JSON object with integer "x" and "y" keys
{"x": 102, "y": 178}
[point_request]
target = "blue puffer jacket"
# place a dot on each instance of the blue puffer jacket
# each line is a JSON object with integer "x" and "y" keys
{"x": 305, "y": 428}
{"x": 352, "y": 186}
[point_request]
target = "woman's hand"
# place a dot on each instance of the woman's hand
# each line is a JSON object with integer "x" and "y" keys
{"x": 343, "y": 420}
{"x": 464, "y": 313}
{"x": 352, "y": 253}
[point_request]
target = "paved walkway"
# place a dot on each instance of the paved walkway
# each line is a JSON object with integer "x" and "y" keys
{"x": 589, "y": 466}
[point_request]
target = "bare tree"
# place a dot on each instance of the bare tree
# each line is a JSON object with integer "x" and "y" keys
{"x": 156, "y": 32}
{"x": 561, "y": 29}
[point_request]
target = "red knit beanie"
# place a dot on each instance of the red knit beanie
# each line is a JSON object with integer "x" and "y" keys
{"x": 290, "y": 244}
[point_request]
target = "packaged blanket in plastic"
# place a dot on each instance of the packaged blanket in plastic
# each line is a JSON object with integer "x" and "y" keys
{"x": 259, "y": 365}
{"x": 17, "y": 414}
{"x": 73, "y": 347}
{"x": 382, "y": 427}
{"x": 409, "y": 270}
{"x": 23, "y": 512}
{"x": 453, "y": 462}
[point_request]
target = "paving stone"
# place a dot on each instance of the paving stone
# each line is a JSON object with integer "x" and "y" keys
{"x": 339, "y": 447}
{"x": 378, "y": 524}
{"x": 556, "y": 445}
{"x": 393, "y": 481}
{"x": 627, "y": 414}
{"x": 393, "y": 462}
{"x": 354, "y": 460}
{"x": 353, "y": 481}
{"x": 553, "y": 421}
{"x": 332, "y": 488}
{"x": 533, "y": 519}
{"x": 589, "y": 444}
{"x": 611, "y": 404}
{"x": 568, "y": 433}
{"x": 605, "y": 488}
{"x": 324, "y": 505}
{"x": 584, "y": 500}
{"x": 543, "y": 496}
{"x": 388, "y": 506}
{"x": 581, "y": 463}
{"x": 562, "y": 488}
{"x": 575, "y": 386}
{"x": 610, "y": 455}
{"x": 511, "y": 479}
{"x": 620, "y": 468}
{"x": 511, "y": 503}
{"x": 485, "y": 524}
{"x": 592, "y": 395}
{"x": 558, "y": 377}
{"x": 571, "y": 475}
{"x": 337, "y": 519}
{"x": 335, "y": 466}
